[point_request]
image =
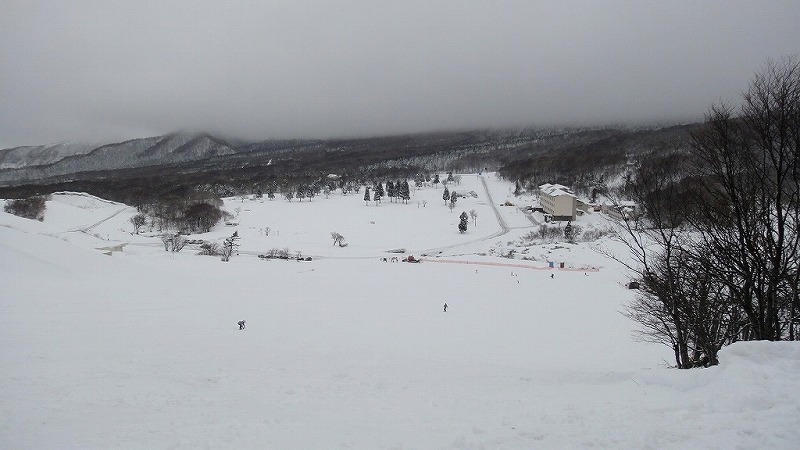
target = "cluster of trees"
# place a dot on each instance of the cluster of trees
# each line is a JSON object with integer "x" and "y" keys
{"x": 717, "y": 247}
{"x": 32, "y": 207}
{"x": 195, "y": 213}
{"x": 301, "y": 191}
{"x": 396, "y": 191}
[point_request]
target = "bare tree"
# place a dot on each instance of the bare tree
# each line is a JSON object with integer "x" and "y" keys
{"x": 716, "y": 248}
{"x": 173, "y": 242}
{"x": 229, "y": 246}
{"x": 748, "y": 171}
{"x": 138, "y": 222}
{"x": 653, "y": 242}
{"x": 338, "y": 239}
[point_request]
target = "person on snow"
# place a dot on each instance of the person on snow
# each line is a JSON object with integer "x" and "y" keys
{"x": 241, "y": 324}
{"x": 445, "y": 307}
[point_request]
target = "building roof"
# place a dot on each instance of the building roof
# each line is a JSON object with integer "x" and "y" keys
{"x": 556, "y": 190}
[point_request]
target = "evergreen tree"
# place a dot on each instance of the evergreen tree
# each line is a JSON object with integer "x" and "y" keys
{"x": 366, "y": 195}
{"x": 446, "y": 195}
{"x": 568, "y": 232}
{"x": 379, "y": 192}
{"x": 436, "y": 179}
{"x": 406, "y": 194}
{"x": 390, "y": 190}
{"x": 462, "y": 226}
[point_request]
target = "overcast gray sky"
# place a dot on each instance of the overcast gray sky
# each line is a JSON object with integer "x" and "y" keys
{"x": 102, "y": 71}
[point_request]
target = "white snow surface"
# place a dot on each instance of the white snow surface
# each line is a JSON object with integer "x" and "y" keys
{"x": 141, "y": 349}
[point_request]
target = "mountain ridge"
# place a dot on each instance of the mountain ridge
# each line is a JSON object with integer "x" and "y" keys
{"x": 184, "y": 160}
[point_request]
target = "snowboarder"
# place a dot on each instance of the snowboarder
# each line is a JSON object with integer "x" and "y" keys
{"x": 445, "y": 307}
{"x": 241, "y": 324}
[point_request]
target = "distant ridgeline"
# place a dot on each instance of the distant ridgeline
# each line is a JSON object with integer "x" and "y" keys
{"x": 175, "y": 164}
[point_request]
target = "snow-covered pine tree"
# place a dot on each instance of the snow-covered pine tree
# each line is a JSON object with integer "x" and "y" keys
{"x": 378, "y": 195}
{"x": 366, "y": 195}
{"x": 446, "y": 195}
{"x": 462, "y": 226}
{"x": 390, "y": 190}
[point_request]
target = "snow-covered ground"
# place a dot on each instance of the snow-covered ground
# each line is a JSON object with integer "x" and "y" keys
{"x": 141, "y": 349}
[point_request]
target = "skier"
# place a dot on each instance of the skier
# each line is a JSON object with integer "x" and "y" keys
{"x": 445, "y": 307}
{"x": 241, "y": 324}
{"x": 552, "y": 275}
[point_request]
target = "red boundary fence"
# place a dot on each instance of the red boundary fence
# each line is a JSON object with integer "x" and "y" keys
{"x": 521, "y": 266}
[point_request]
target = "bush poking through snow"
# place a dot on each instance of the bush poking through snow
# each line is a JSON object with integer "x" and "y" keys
{"x": 173, "y": 242}
{"x": 338, "y": 239}
{"x": 209, "y": 249}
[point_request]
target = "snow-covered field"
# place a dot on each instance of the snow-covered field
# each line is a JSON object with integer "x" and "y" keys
{"x": 141, "y": 349}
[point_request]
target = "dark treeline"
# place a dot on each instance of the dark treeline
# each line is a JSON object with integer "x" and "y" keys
{"x": 589, "y": 160}
{"x": 578, "y": 157}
